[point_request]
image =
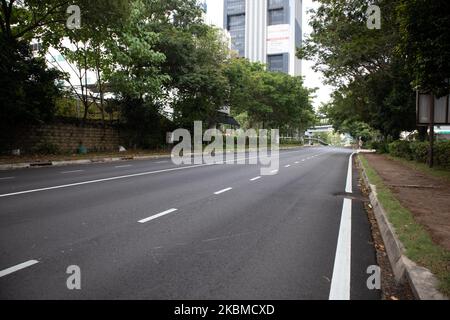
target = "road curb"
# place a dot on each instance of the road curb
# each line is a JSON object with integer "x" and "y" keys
{"x": 11, "y": 166}
{"x": 57, "y": 163}
{"x": 423, "y": 283}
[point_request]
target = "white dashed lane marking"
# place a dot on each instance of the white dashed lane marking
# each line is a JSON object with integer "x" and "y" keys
{"x": 157, "y": 215}
{"x": 223, "y": 190}
{"x": 17, "y": 267}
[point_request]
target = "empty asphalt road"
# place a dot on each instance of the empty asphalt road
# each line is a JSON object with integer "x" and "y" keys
{"x": 153, "y": 230}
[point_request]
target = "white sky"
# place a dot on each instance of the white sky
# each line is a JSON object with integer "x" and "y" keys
{"x": 312, "y": 79}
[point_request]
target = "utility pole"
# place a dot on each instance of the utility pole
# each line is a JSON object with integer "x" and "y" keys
{"x": 431, "y": 150}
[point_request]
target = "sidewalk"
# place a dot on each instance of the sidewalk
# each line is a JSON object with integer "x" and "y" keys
{"x": 427, "y": 197}
{"x": 416, "y": 207}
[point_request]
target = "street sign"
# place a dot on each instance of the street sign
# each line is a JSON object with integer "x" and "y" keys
{"x": 432, "y": 111}
{"x": 425, "y": 102}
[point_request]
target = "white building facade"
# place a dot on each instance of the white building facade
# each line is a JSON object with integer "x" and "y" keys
{"x": 266, "y": 31}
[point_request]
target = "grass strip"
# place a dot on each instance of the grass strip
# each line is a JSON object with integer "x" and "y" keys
{"x": 417, "y": 242}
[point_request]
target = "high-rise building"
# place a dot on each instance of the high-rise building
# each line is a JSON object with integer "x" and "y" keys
{"x": 267, "y": 31}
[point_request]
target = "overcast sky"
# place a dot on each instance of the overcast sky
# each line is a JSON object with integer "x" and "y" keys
{"x": 312, "y": 79}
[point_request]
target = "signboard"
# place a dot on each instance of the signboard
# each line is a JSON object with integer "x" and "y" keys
{"x": 425, "y": 103}
{"x": 278, "y": 39}
{"x": 169, "y": 137}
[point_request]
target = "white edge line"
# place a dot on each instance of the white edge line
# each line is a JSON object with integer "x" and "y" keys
{"x": 17, "y": 267}
{"x": 124, "y": 166}
{"x": 223, "y": 190}
{"x": 348, "y": 184}
{"x": 157, "y": 215}
{"x": 7, "y": 178}
{"x": 287, "y": 166}
{"x": 73, "y": 171}
{"x": 340, "y": 281}
{"x": 255, "y": 178}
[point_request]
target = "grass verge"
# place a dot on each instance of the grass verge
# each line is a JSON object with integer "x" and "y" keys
{"x": 417, "y": 242}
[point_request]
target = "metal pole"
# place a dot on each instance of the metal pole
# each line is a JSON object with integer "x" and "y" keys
{"x": 431, "y": 151}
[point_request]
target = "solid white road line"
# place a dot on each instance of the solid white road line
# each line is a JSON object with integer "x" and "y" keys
{"x": 296, "y": 162}
{"x": 348, "y": 184}
{"x": 287, "y": 166}
{"x": 17, "y": 267}
{"x": 340, "y": 282}
{"x": 125, "y": 176}
{"x": 222, "y": 191}
{"x": 124, "y": 166}
{"x": 157, "y": 215}
{"x": 6, "y": 178}
{"x": 73, "y": 171}
{"x": 162, "y": 161}
{"x": 255, "y": 178}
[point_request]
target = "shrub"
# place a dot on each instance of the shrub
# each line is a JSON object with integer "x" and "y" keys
{"x": 418, "y": 151}
{"x": 401, "y": 149}
{"x": 442, "y": 154}
{"x": 380, "y": 146}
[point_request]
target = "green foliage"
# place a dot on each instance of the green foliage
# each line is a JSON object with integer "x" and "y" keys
{"x": 372, "y": 82}
{"x": 401, "y": 149}
{"x": 27, "y": 90}
{"x": 150, "y": 55}
{"x": 201, "y": 88}
{"x": 425, "y": 42}
{"x": 268, "y": 99}
{"x": 137, "y": 74}
{"x": 418, "y": 151}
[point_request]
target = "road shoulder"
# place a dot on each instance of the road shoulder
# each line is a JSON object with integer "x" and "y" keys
{"x": 406, "y": 240}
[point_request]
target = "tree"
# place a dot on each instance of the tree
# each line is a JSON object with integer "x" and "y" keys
{"x": 371, "y": 79}
{"x": 268, "y": 99}
{"x": 27, "y": 90}
{"x": 425, "y": 42}
{"x": 201, "y": 88}
{"x": 23, "y": 20}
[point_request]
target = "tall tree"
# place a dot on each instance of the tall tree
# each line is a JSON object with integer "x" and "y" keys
{"x": 371, "y": 80}
{"x": 425, "y": 42}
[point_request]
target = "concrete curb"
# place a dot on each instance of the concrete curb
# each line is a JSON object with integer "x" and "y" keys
{"x": 12, "y": 166}
{"x": 423, "y": 283}
{"x": 57, "y": 163}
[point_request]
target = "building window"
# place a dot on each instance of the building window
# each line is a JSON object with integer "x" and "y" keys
{"x": 235, "y": 6}
{"x": 275, "y": 63}
{"x": 275, "y": 4}
{"x": 236, "y": 27}
{"x": 275, "y": 16}
{"x": 36, "y": 47}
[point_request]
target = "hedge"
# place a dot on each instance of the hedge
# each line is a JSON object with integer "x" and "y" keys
{"x": 418, "y": 151}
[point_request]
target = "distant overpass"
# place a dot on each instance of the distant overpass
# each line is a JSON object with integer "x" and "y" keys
{"x": 309, "y": 139}
{"x": 318, "y": 129}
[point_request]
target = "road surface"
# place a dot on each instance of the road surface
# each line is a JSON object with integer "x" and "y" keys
{"x": 153, "y": 230}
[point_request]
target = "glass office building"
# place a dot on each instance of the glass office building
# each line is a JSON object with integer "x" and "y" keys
{"x": 267, "y": 31}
